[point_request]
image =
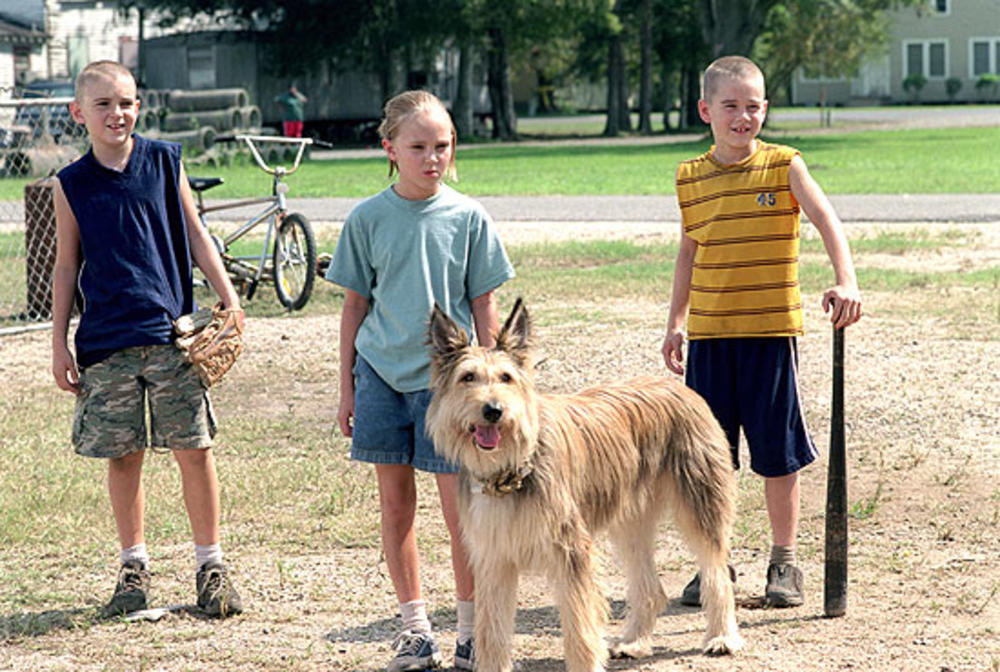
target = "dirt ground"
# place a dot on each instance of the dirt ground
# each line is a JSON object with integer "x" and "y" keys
{"x": 924, "y": 469}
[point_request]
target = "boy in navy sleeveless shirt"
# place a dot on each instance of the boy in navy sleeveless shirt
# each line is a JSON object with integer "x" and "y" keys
{"x": 128, "y": 236}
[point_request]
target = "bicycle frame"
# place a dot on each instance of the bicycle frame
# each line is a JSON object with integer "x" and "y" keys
{"x": 256, "y": 268}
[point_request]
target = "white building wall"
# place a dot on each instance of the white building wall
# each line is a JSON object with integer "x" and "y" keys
{"x": 82, "y": 35}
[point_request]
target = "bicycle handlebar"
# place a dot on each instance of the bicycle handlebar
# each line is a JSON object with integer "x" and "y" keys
{"x": 251, "y": 142}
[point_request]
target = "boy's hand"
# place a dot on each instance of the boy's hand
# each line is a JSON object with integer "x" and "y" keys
{"x": 843, "y": 304}
{"x": 673, "y": 351}
{"x": 64, "y": 370}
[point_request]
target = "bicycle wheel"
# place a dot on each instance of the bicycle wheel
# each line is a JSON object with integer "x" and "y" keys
{"x": 294, "y": 261}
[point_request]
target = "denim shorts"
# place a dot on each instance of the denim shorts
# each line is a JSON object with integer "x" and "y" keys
{"x": 753, "y": 383}
{"x": 110, "y": 416}
{"x": 389, "y": 425}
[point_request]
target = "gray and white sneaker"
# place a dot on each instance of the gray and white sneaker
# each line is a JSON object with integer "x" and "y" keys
{"x": 131, "y": 590}
{"x": 784, "y": 586}
{"x": 465, "y": 655}
{"x": 415, "y": 652}
{"x": 691, "y": 596}
{"x": 216, "y": 595}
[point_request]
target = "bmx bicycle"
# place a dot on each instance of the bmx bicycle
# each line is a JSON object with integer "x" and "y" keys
{"x": 287, "y": 257}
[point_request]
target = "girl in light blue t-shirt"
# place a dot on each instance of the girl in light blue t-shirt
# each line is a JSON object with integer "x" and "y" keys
{"x": 413, "y": 244}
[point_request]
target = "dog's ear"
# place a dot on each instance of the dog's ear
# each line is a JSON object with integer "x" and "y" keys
{"x": 515, "y": 336}
{"x": 446, "y": 338}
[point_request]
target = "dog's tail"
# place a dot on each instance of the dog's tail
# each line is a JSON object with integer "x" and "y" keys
{"x": 699, "y": 463}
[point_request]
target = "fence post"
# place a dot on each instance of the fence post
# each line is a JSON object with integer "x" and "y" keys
{"x": 40, "y": 246}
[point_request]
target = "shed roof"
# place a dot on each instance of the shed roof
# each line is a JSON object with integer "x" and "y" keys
{"x": 14, "y": 33}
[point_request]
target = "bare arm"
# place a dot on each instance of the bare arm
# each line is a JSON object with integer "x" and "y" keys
{"x": 355, "y": 309}
{"x": 64, "y": 278}
{"x": 844, "y": 297}
{"x": 485, "y": 318}
{"x": 680, "y": 300}
{"x": 203, "y": 250}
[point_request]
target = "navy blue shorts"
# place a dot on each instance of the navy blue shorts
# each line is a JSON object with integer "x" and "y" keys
{"x": 753, "y": 383}
{"x": 389, "y": 425}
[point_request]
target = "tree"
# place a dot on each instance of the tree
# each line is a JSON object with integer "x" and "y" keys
{"x": 618, "y": 118}
{"x": 730, "y": 27}
{"x": 828, "y": 39}
{"x": 680, "y": 47}
{"x": 645, "y": 66}
{"x": 512, "y": 29}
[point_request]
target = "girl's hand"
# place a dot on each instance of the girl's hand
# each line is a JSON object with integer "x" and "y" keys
{"x": 345, "y": 414}
{"x": 673, "y": 351}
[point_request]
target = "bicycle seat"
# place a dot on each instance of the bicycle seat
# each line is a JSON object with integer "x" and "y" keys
{"x": 204, "y": 183}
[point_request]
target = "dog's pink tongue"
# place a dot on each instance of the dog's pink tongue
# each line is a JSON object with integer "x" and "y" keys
{"x": 487, "y": 436}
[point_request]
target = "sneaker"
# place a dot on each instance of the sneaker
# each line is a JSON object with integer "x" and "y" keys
{"x": 465, "y": 655}
{"x": 415, "y": 652}
{"x": 784, "y": 586}
{"x": 216, "y": 595}
{"x": 131, "y": 590}
{"x": 691, "y": 595}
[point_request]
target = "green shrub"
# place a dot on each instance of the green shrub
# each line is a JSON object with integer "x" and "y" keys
{"x": 952, "y": 86}
{"x": 914, "y": 83}
{"x": 988, "y": 84}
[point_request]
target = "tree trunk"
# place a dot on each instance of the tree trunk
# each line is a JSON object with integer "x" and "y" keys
{"x": 730, "y": 27}
{"x": 498, "y": 78}
{"x": 667, "y": 79}
{"x": 462, "y": 109}
{"x": 646, "y": 68}
{"x": 691, "y": 92}
{"x": 624, "y": 111}
{"x": 613, "y": 122}
{"x": 618, "y": 113}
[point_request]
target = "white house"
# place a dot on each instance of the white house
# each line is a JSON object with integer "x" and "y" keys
{"x": 942, "y": 40}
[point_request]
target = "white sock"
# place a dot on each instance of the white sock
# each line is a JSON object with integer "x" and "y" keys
{"x": 466, "y": 620}
{"x": 206, "y": 554}
{"x": 137, "y": 552}
{"x": 415, "y": 616}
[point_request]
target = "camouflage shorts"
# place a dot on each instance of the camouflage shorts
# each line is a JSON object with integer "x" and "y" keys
{"x": 110, "y": 416}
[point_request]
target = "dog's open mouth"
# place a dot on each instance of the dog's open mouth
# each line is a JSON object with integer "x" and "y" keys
{"x": 487, "y": 436}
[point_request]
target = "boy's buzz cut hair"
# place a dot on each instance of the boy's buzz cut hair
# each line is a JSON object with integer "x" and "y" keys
{"x": 728, "y": 67}
{"x": 97, "y": 70}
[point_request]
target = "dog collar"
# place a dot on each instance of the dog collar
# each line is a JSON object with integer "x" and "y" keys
{"x": 504, "y": 482}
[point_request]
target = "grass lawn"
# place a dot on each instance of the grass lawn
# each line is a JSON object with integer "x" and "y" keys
{"x": 887, "y": 162}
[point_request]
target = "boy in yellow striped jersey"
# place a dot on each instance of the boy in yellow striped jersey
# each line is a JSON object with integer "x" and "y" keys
{"x": 736, "y": 283}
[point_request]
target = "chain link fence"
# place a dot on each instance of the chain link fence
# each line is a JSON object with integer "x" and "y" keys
{"x": 37, "y": 138}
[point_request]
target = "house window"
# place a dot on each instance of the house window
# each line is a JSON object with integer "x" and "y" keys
{"x": 928, "y": 58}
{"x": 22, "y": 63}
{"x": 936, "y": 65}
{"x": 201, "y": 67}
{"x": 985, "y": 56}
{"x": 941, "y": 6}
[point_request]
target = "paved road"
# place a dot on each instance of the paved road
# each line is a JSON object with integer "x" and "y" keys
{"x": 851, "y": 208}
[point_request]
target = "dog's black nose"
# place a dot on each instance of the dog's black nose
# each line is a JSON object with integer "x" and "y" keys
{"x": 492, "y": 412}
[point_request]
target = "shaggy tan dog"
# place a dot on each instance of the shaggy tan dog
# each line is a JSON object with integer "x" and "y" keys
{"x": 541, "y": 475}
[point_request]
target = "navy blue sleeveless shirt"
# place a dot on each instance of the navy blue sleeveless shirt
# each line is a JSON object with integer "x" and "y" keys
{"x": 135, "y": 270}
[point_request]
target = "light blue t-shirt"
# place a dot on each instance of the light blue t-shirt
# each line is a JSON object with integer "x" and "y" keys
{"x": 403, "y": 256}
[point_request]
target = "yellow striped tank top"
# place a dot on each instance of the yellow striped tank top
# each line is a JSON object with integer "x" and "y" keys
{"x": 745, "y": 279}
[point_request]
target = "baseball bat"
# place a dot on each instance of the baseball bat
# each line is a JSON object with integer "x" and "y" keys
{"x": 835, "y": 565}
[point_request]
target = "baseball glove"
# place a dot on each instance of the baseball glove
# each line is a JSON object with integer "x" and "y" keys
{"x": 211, "y": 339}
